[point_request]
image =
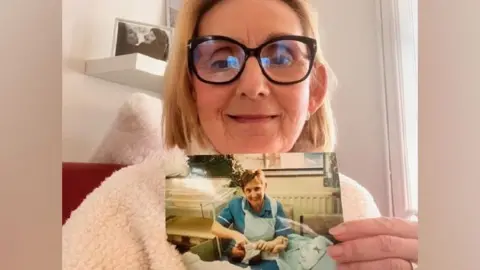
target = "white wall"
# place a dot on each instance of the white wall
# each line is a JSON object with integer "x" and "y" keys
{"x": 302, "y": 185}
{"x": 351, "y": 43}
{"x": 292, "y": 160}
{"x": 90, "y": 104}
{"x": 250, "y": 161}
{"x": 351, "y": 40}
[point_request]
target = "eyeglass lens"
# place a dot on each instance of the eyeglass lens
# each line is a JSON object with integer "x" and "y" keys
{"x": 282, "y": 61}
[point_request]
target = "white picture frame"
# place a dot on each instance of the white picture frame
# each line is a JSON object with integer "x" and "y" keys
{"x": 172, "y": 7}
{"x": 131, "y": 36}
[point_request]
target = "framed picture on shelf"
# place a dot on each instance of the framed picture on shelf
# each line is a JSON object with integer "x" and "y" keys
{"x": 172, "y": 8}
{"x": 137, "y": 37}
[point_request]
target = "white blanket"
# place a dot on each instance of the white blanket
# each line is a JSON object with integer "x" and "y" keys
{"x": 121, "y": 224}
{"x": 250, "y": 252}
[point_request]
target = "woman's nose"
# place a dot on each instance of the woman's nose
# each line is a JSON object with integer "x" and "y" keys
{"x": 252, "y": 82}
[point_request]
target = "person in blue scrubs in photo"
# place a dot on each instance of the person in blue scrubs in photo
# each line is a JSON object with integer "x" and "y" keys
{"x": 253, "y": 218}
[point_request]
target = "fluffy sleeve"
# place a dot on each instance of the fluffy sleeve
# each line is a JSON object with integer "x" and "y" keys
{"x": 357, "y": 202}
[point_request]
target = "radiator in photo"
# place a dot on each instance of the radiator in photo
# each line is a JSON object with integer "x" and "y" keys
{"x": 310, "y": 204}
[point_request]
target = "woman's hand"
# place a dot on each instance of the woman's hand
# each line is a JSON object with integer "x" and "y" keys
{"x": 280, "y": 247}
{"x": 240, "y": 239}
{"x": 264, "y": 245}
{"x": 276, "y": 245}
{"x": 281, "y": 244}
{"x": 379, "y": 243}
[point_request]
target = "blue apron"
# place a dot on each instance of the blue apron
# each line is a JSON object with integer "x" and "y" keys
{"x": 257, "y": 228}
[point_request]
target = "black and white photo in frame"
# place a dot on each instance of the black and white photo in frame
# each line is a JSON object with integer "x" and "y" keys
{"x": 137, "y": 37}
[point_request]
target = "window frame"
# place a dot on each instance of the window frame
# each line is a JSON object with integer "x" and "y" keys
{"x": 399, "y": 60}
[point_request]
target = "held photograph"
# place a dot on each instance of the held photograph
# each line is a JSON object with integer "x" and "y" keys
{"x": 255, "y": 211}
{"x": 136, "y": 37}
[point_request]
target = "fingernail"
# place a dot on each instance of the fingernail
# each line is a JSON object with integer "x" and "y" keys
{"x": 335, "y": 251}
{"x": 340, "y": 229}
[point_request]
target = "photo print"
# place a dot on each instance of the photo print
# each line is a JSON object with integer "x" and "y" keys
{"x": 136, "y": 37}
{"x": 255, "y": 211}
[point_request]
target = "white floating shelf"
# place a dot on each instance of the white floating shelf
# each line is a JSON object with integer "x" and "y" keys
{"x": 134, "y": 70}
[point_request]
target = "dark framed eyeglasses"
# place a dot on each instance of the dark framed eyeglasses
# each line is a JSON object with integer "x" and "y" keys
{"x": 283, "y": 60}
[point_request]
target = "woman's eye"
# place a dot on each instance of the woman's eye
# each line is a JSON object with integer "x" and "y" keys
{"x": 281, "y": 60}
{"x": 220, "y": 64}
{"x": 230, "y": 62}
{"x": 277, "y": 60}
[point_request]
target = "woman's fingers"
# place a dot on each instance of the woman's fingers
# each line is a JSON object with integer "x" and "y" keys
{"x": 270, "y": 247}
{"x": 278, "y": 248}
{"x": 388, "y": 264}
{"x": 375, "y": 248}
{"x": 375, "y": 226}
{"x": 260, "y": 245}
{"x": 265, "y": 246}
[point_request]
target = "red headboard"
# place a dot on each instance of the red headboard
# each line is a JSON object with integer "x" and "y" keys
{"x": 78, "y": 180}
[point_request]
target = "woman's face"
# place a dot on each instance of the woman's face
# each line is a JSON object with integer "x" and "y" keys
{"x": 132, "y": 35}
{"x": 254, "y": 192}
{"x": 150, "y": 37}
{"x": 252, "y": 114}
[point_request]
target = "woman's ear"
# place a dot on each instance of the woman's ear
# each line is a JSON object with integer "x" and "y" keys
{"x": 318, "y": 87}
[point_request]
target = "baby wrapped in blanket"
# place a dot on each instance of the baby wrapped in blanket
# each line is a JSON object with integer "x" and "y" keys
{"x": 261, "y": 250}
{"x": 301, "y": 253}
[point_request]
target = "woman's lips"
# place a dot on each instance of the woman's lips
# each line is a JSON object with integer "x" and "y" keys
{"x": 252, "y": 118}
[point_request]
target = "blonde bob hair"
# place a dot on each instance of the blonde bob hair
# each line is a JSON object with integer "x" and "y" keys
{"x": 180, "y": 117}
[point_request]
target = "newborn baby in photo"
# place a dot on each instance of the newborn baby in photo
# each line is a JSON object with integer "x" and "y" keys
{"x": 254, "y": 252}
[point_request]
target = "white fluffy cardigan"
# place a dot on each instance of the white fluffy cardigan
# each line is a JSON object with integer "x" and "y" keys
{"x": 121, "y": 224}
